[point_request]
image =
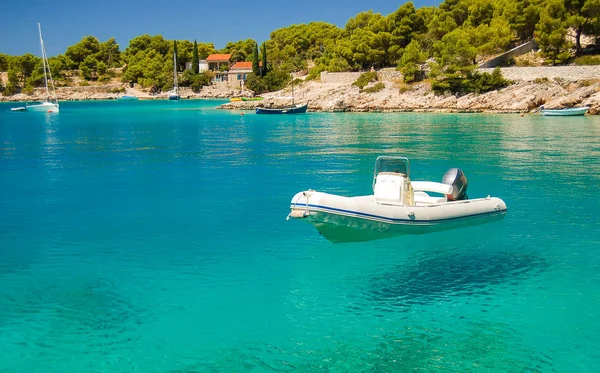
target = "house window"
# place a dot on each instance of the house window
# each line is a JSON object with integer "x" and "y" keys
{"x": 239, "y": 76}
{"x": 244, "y": 76}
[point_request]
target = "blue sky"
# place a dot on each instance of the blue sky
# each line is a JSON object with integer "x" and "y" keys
{"x": 64, "y": 23}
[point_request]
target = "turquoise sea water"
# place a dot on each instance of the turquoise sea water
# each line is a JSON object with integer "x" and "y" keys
{"x": 151, "y": 237}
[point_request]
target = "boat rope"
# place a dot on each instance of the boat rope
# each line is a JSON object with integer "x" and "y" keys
{"x": 293, "y": 207}
{"x": 306, "y": 212}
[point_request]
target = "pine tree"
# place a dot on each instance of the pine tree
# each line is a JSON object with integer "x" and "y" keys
{"x": 263, "y": 50}
{"x": 195, "y": 59}
{"x": 255, "y": 61}
{"x": 175, "y": 50}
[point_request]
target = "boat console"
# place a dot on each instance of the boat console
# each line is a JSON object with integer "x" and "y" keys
{"x": 392, "y": 188}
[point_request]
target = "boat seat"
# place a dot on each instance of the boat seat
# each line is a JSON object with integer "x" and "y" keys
{"x": 423, "y": 198}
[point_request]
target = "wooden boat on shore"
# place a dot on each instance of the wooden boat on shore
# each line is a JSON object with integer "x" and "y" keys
{"x": 567, "y": 112}
{"x": 398, "y": 206}
{"x": 296, "y": 109}
{"x": 292, "y": 109}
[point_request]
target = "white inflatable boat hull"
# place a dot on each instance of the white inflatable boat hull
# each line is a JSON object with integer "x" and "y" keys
{"x": 348, "y": 219}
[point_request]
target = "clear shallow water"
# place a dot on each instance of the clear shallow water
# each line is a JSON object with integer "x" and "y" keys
{"x": 151, "y": 237}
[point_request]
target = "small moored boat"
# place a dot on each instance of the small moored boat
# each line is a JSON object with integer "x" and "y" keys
{"x": 564, "y": 112}
{"x": 173, "y": 95}
{"x": 398, "y": 206}
{"x": 49, "y": 105}
{"x": 292, "y": 109}
{"x": 296, "y": 109}
{"x": 127, "y": 98}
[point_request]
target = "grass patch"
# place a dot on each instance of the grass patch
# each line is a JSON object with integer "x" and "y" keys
{"x": 587, "y": 60}
{"x": 375, "y": 88}
{"x": 365, "y": 78}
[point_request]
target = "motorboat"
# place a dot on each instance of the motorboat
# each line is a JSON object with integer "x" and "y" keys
{"x": 398, "y": 206}
{"x": 564, "y": 112}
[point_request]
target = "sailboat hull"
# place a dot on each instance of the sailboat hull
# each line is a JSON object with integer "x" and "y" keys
{"x": 174, "y": 97}
{"x": 44, "y": 107}
{"x": 298, "y": 109}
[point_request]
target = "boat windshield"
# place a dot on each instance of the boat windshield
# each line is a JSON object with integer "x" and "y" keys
{"x": 391, "y": 164}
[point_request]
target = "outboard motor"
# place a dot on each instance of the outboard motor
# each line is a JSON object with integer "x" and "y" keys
{"x": 458, "y": 180}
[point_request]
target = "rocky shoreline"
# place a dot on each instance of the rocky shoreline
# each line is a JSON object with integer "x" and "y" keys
{"x": 521, "y": 97}
{"x": 113, "y": 92}
{"x": 339, "y": 95}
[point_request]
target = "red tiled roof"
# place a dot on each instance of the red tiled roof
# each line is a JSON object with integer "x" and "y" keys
{"x": 245, "y": 65}
{"x": 218, "y": 58}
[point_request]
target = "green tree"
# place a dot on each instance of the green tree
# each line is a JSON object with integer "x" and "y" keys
{"x": 109, "y": 53}
{"x": 58, "y": 65}
{"x": 26, "y": 64}
{"x": 255, "y": 60}
{"x": 138, "y": 44}
{"x": 255, "y": 83}
{"x": 88, "y": 67}
{"x": 405, "y": 24}
{"x": 205, "y": 50}
{"x": 264, "y": 69}
{"x": 491, "y": 39}
{"x": 195, "y": 59}
{"x": 411, "y": 61}
{"x": 77, "y": 53}
{"x": 201, "y": 80}
{"x": 36, "y": 79}
{"x": 521, "y": 15}
{"x": 159, "y": 44}
{"x": 4, "y": 59}
{"x": 239, "y": 50}
{"x": 175, "y": 51}
{"x": 582, "y": 15}
{"x": 455, "y": 52}
{"x": 13, "y": 82}
{"x": 551, "y": 32}
{"x": 101, "y": 69}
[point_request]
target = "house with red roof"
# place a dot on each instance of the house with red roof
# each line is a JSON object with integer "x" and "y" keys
{"x": 238, "y": 72}
{"x": 216, "y": 63}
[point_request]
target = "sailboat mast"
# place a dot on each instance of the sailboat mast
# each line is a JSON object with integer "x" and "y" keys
{"x": 44, "y": 61}
{"x": 175, "y": 66}
{"x": 292, "y": 89}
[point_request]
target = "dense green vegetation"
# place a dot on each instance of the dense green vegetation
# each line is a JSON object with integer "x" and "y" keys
{"x": 448, "y": 40}
{"x": 365, "y": 78}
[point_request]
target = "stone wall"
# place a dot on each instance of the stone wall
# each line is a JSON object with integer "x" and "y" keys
{"x": 528, "y": 74}
{"x": 389, "y": 74}
{"x": 350, "y": 77}
{"x": 345, "y": 78}
{"x": 506, "y": 56}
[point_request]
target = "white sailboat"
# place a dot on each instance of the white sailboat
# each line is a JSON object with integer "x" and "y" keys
{"x": 174, "y": 94}
{"x": 47, "y": 106}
